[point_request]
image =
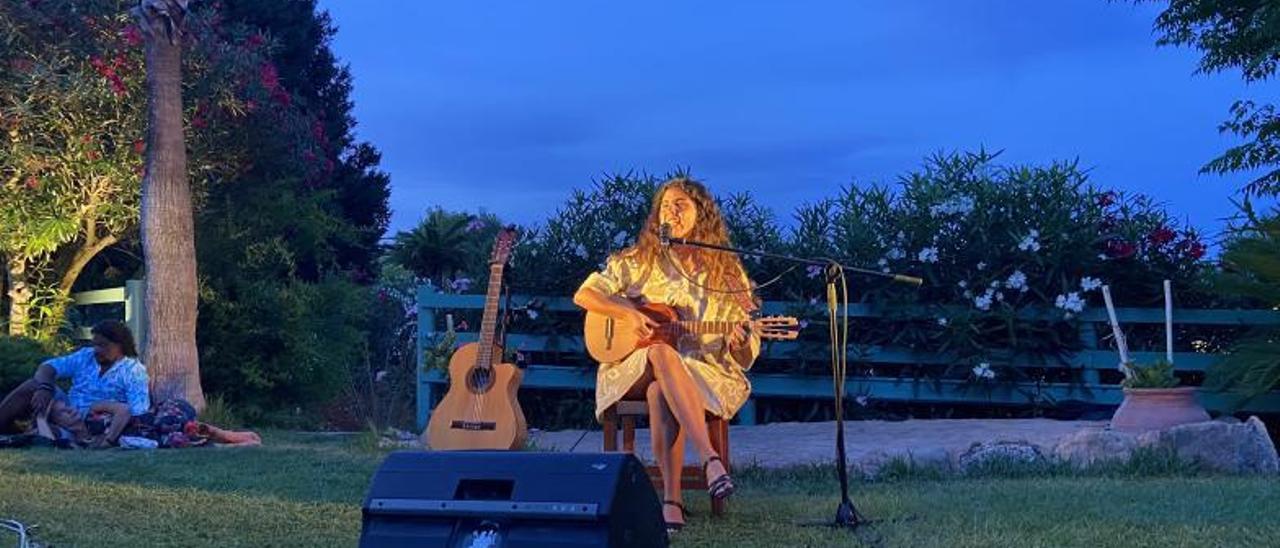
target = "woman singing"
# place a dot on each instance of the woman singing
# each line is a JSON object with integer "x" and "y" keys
{"x": 702, "y": 373}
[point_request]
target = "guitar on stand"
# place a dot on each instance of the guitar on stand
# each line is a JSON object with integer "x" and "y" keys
{"x": 480, "y": 410}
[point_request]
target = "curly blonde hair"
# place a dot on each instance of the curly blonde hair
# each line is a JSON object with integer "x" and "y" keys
{"x": 725, "y": 269}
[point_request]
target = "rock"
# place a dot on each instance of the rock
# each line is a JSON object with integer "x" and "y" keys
{"x": 980, "y": 454}
{"x": 1219, "y": 446}
{"x": 1262, "y": 446}
{"x": 1088, "y": 447}
{"x": 1228, "y": 419}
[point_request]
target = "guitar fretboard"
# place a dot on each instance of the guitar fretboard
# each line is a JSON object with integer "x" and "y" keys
{"x": 702, "y": 327}
{"x": 489, "y": 324}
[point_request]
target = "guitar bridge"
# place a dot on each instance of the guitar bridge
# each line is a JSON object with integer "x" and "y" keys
{"x": 473, "y": 425}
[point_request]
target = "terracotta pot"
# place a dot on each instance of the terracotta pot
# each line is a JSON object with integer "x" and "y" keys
{"x": 1146, "y": 409}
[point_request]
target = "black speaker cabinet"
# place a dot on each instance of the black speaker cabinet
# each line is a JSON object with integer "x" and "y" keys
{"x": 508, "y": 499}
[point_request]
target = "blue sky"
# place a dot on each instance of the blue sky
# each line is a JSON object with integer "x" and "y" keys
{"x": 507, "y": 106}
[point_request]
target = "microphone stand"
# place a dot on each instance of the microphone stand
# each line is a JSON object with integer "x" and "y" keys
{"x": 666, "y": 241}
{"x": 847, "y": 515}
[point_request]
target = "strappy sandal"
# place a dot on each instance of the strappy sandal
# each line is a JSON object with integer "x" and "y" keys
{"x": 674, "y": 527}
{"x": 722, "y": 487}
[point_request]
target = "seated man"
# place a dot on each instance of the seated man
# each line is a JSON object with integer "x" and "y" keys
{"x": 108, "y": 372}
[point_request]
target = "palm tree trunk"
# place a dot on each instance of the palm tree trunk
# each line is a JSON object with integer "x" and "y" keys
{"x": 19, "y": 296}
{"x": 168, "y": 241}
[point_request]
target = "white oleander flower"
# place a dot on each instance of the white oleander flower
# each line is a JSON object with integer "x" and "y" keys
{"x": 983, "y": 301}
{"x": 1017, "y": 280}
{"x": 1030, "y": 241}
{"x": 961, "y": 205}
{"x": 1071, "y": 302}
{"x": 984, "y": 371}
{"x": 460, "y": 285}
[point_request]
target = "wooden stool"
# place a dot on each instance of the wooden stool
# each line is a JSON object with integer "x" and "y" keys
{"x": 694, "y": 477}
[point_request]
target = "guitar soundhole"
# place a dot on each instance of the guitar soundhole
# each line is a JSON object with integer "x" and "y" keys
{"x": 480, "y": 380}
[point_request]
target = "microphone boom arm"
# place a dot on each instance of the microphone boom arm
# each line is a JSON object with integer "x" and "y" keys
{"x": 664, "y": 236}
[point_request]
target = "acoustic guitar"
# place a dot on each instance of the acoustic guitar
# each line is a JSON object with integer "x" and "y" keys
{"x": 480, "y": 410}
{"x": 609, "y": 340}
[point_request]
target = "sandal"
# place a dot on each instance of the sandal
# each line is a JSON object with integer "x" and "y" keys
{"x": 675, "y": 526}
{"x": 722, "y": 487}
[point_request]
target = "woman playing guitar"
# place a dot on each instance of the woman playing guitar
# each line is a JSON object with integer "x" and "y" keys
{"x": 699, "y": 374}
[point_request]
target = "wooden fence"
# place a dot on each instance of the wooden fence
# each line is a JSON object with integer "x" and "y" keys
{"x": 1095, "y": 383}
{"x": 118, "y": 303}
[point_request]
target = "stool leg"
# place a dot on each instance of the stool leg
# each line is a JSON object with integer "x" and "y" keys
{"x": 629, "y": 434}
{"x": 723, "y": 446}
{"x": 610, "y": 428}
{"x": 719, "y": 507}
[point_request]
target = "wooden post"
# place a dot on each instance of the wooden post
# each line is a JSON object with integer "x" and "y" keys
{"x": 426, "y": 327}
{"x": 135, "y": 314}
{"x": 1168, "y": 321}
{"x": 1115, "y": 329}
{"x": 747, "y": 415}
{"x": 1089, "y": 339}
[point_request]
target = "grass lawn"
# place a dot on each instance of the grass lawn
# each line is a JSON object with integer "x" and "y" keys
{"x": 305, "y": 490}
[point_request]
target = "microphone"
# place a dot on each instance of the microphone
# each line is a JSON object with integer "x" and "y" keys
{"x": 664, "y": 235}
{"x": 911, "y": 280}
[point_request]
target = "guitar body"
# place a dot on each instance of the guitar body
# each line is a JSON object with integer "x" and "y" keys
{"x": 609, "y": 340}
{"x": 480, "y": 410}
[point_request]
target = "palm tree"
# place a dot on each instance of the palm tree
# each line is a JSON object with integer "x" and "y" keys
{"x": 168, "y": 235}
{"x": 1251, "y": 271}
{"x": 438, "y": 247}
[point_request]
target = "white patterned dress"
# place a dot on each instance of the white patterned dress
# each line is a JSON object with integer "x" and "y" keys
{"x": 720, "y": 379}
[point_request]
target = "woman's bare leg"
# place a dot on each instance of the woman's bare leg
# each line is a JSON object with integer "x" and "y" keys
{"x": 668, "y": 449}
{"x": 685, "y": 403}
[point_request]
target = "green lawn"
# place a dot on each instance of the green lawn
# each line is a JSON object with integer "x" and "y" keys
{"x": 305, "y": 490}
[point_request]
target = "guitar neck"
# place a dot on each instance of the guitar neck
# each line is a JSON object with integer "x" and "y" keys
{"x": 704, "y": 327}
{"x": 489, "y": 324}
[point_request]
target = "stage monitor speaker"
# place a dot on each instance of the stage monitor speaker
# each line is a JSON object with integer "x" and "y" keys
{"x": 510, "y": 499}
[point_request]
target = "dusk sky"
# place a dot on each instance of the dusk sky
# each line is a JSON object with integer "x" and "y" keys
{"x": 507, "y": 106}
